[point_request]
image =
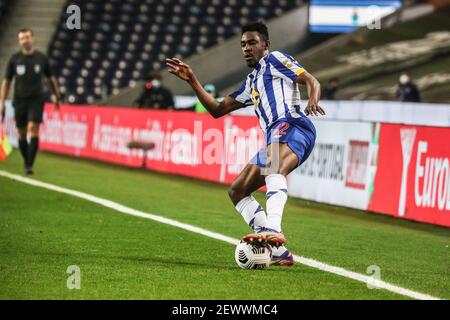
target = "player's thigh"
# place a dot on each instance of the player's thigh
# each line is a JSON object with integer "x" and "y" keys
{"x": 21, "y": 115}
{"x": 281, "y": 159}
{"x": 33, "y": 128}
{"x": 35, "y": 111}
{"x": 248, "y": 181}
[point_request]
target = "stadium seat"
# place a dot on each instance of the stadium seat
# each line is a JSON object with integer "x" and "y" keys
{"x": 120, "y": 42}
{"x": 4, "y": 6}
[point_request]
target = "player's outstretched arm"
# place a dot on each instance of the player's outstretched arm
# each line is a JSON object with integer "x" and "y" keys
{"x": 313, "y": 88}
{"x": 215, "y": 108}
{"x": 3, "y": 94}
{"x": 53, "y": 85}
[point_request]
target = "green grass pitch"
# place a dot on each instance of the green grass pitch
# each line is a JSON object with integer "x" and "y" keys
{"x": 124, "y": 257}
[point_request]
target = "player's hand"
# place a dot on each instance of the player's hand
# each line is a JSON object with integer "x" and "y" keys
{"x": 2, "y": 111}
{"x": 313, "y": 108}
{"x": 179, "y": 68}
{"x": 57, "y": 103}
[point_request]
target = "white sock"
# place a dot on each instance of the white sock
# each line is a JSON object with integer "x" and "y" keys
{"x": 278, "y": 251}
{"x": 276, "y": 199}
{"x": 252, "y": 212}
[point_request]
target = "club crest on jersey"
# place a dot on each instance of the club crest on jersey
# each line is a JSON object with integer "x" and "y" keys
{"x": 20, "y": 69}
{"x": 255, "y": 98}
{"x": 37, "y": 68}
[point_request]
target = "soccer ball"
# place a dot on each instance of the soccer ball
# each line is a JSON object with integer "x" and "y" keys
{"x": 249, "y": 256}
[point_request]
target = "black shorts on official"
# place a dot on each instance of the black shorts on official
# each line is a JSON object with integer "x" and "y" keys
{"x": 28, "y": 110}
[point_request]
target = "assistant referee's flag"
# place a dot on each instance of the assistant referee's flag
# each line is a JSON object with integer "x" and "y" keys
{"x": 5, "y": 147}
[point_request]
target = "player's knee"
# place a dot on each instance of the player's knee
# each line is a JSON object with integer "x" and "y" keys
{"x": 273, "y": 167}
{"x": 236, "y": 193}
{"x": 22, "y": 133}
{"x": 284, "y": 170}
{"x": 284, "y": 167}
{"x": 33, "y": 129}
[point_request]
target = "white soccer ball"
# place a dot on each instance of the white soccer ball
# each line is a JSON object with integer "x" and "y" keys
{"x": 250, "y": 256}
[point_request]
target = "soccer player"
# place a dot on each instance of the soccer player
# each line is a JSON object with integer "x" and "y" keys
{"x": 28, "y": 66}
{"x": 272, "y": 88}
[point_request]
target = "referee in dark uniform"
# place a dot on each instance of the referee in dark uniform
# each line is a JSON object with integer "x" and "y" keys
{"x": 28, "y": 67}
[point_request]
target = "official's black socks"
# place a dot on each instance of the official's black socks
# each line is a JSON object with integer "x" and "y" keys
{"x": 33, "y": 148}
{"x": 23, "y": 146}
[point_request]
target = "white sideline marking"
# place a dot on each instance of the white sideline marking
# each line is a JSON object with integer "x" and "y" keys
{"x": 305, "y": 261}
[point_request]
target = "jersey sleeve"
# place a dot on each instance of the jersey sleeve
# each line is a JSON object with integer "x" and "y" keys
{"x": 285, "y": 66}
{"x": 47, "y": 70}
{"x": 243, "y": 93}
{"x": 9, "y": 73}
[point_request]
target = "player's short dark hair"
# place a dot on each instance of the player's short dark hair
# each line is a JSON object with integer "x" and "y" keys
{"x": 259, "y": 27}
{"x": 25, "y": 30}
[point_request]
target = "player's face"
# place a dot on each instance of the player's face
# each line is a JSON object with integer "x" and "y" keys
{"x": 253, "y": 48}
{"x": 26, "y": 40}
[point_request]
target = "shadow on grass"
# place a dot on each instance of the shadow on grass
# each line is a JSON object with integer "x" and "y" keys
{"x": 89, "y": 258}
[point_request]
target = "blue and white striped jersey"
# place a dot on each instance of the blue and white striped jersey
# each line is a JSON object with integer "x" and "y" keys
{"x": 271, "y": 89}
